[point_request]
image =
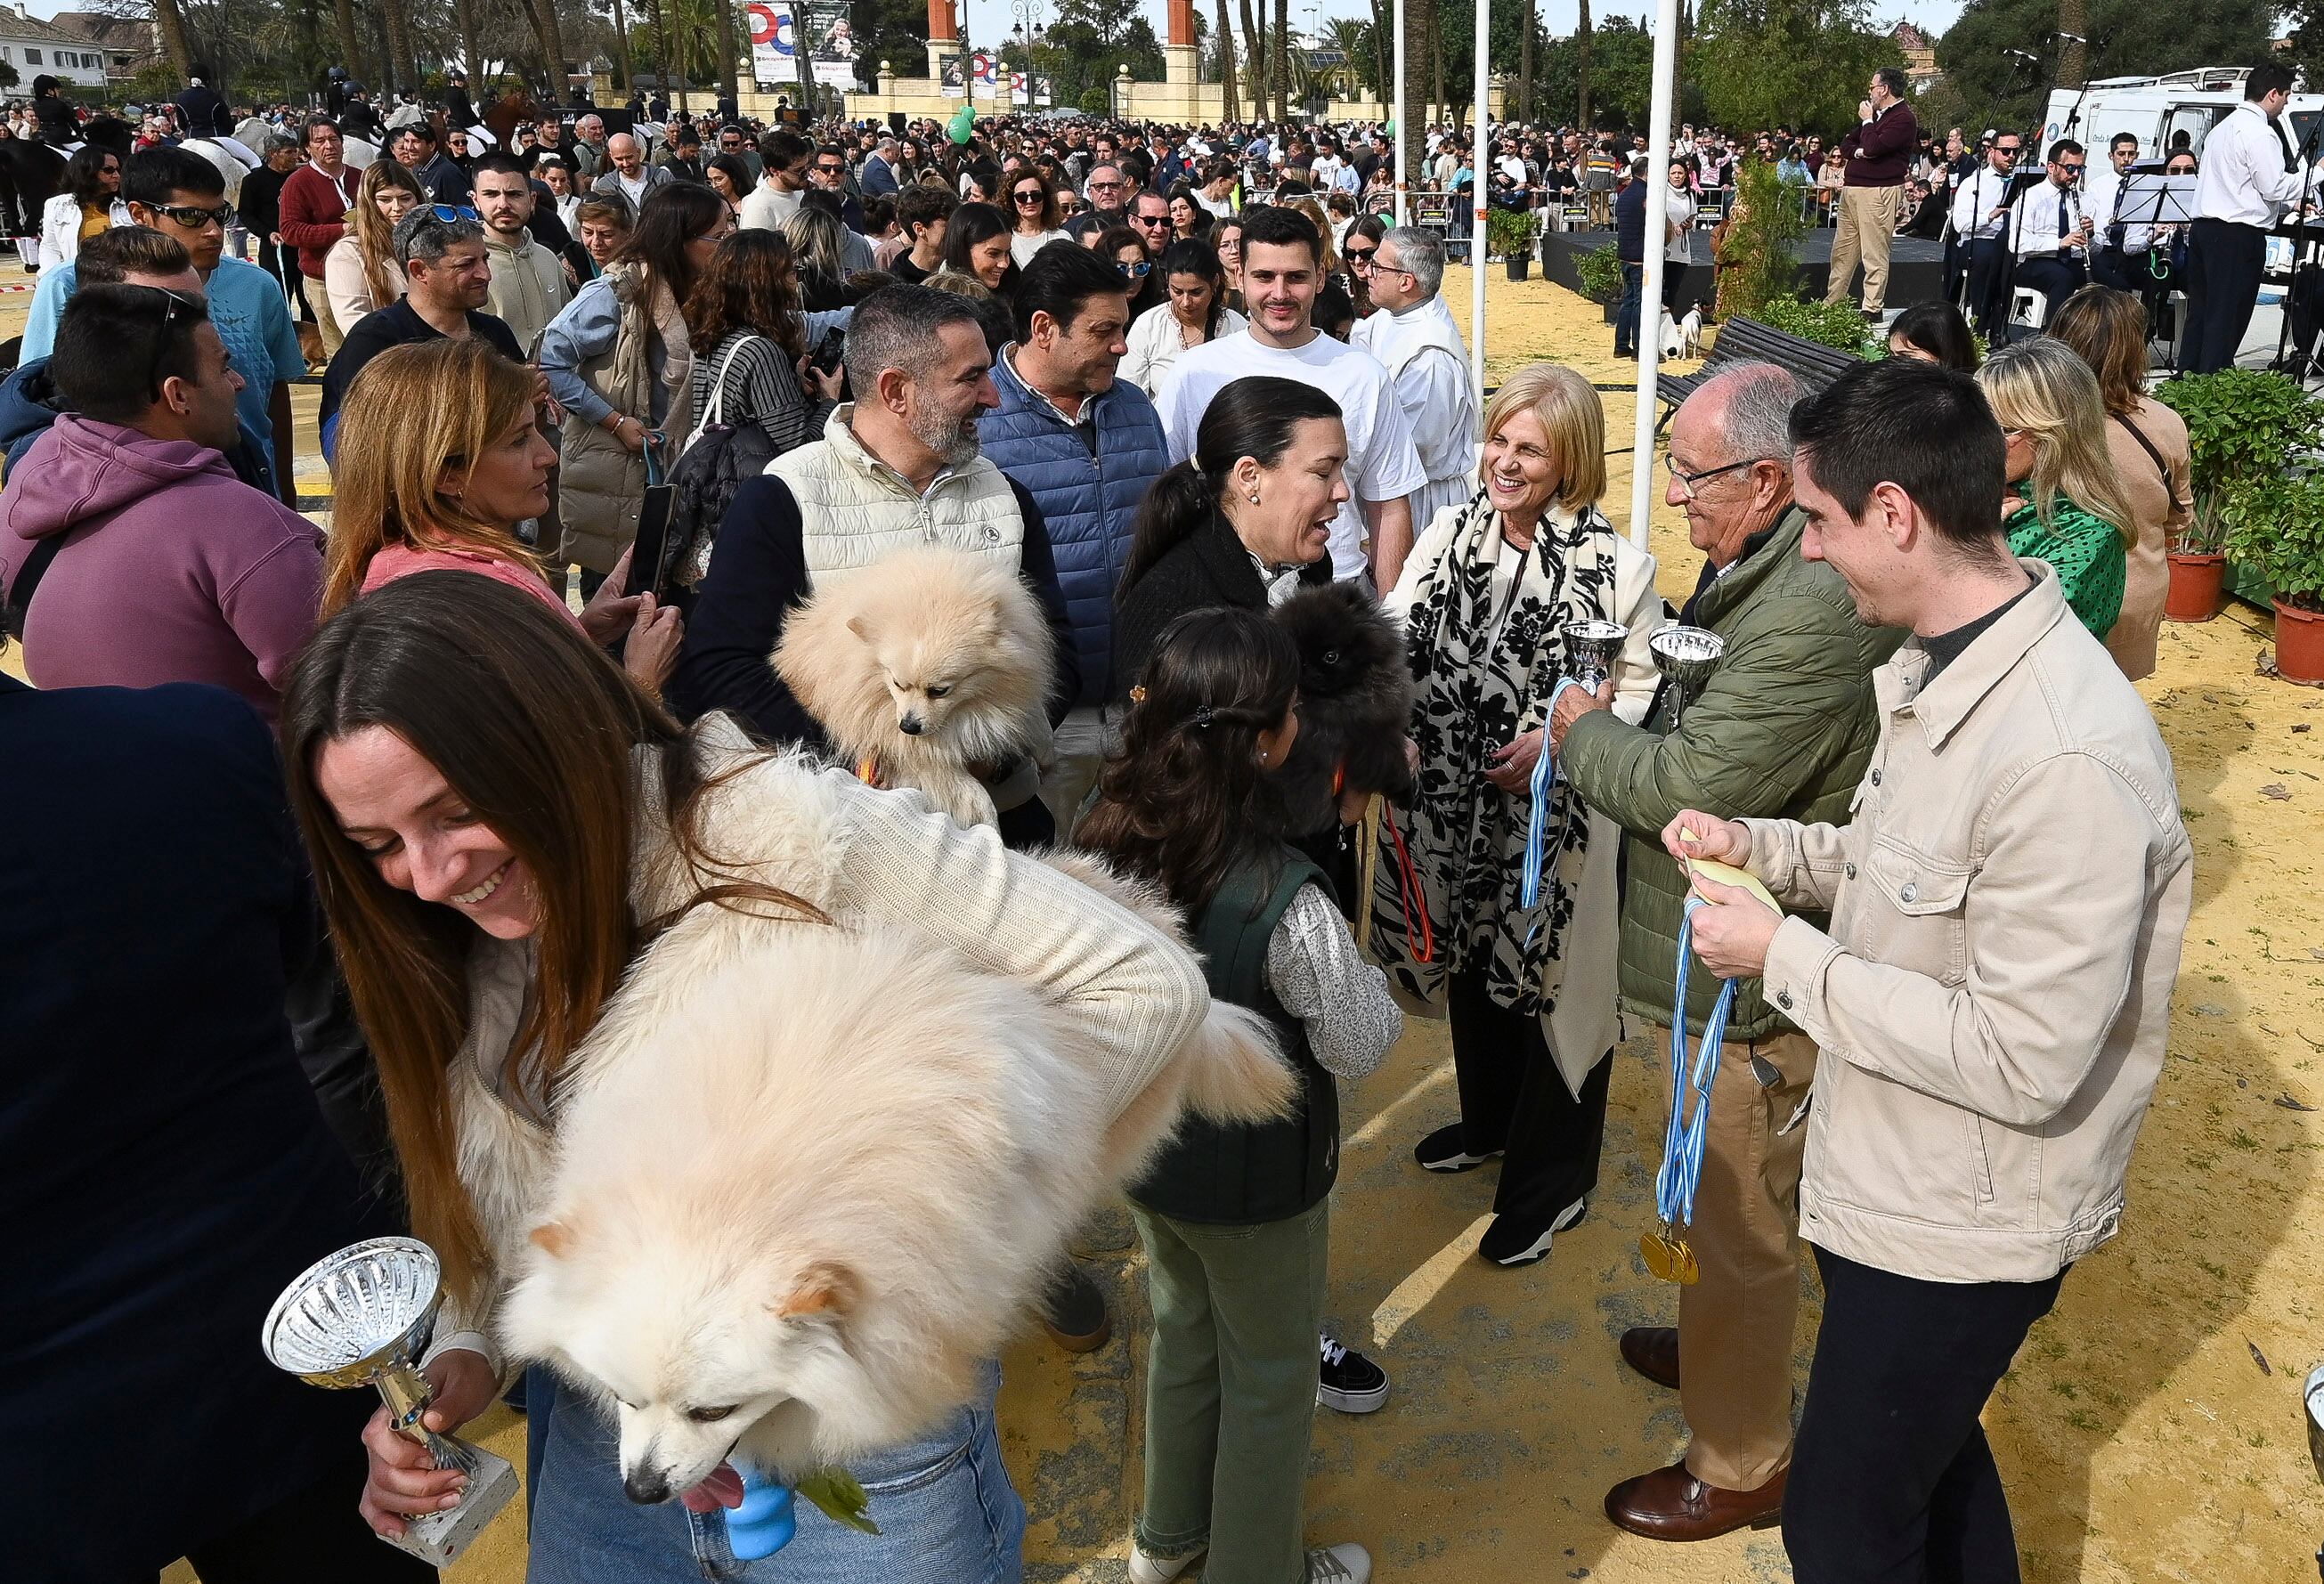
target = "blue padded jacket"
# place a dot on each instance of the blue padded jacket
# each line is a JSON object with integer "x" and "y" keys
{"x": 1089, "y": 501}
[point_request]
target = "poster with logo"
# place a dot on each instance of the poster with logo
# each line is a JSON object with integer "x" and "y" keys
{"x": 955, "y": 77}
{"x": 1044, "y": 92}
{"x": 833, "y": 39}
{"x": 984, "y": 73}
{"x": 774, "y": 43}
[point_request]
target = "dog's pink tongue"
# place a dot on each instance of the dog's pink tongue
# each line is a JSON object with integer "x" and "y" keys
{"x": 721, "y": 1487}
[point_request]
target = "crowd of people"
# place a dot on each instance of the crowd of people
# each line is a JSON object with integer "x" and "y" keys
{"x": 601, "y": 413}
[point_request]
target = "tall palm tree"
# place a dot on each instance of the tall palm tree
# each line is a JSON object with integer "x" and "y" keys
{"x": 1419, "y": 27}
{"x": 472, "y": 55}
{"x": 351, "y": 51}
{"x": 1383, "y": 52}
{"x": 1525, "y": 62}
{"x": 1282, "y": 59}
{"x": 551, "y": 38}
{"x": 1255, "y": 42}
{"x": 170, "y": 20}
{"x": 1233, "y": 105}
{"x": 655, "y": 9}
{"x": 402, "y": 70}
{"x": 2073, "y": 60}
{"x": 727, "y": 51}
{"x": 1581, "y": 67}
{"x": 1345, "y": 35}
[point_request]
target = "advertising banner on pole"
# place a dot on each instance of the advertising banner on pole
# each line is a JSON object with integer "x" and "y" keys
{"x": 984, "y": 73}
{"x": 955, "y": 77}
{"x": 774, "y": 46}
{"x": 831, "y": 37}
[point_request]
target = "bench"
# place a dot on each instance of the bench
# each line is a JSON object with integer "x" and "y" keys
{"x": 1742, "y": 340}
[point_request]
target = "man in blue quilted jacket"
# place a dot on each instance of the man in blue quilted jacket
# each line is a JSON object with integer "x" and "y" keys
{"x": 1085, "y": 446}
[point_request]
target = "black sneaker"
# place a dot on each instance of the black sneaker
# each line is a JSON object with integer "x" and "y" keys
{"x": 1349, "y": 1382}
{"x": 1073, "y": 1311}
{"x": 1444, "y": 1151}
{"x": 1504, "y": 1244}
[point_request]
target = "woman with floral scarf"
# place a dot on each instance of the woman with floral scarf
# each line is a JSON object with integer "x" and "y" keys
{"x": 1529, "y": 991}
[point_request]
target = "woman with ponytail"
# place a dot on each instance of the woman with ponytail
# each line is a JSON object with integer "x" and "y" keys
{"x": 1235, "y": 1219}
{"x": 1242, "y": 523}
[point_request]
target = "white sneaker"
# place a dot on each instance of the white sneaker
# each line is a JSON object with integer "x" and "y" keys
{"x": 1339, "y": 1564}
{"x": 1145, "y": 1568}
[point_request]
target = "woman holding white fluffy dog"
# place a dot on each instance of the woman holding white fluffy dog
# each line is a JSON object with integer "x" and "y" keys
{"x": 499, "y": 821}
{"x": 1236, "y": 1219}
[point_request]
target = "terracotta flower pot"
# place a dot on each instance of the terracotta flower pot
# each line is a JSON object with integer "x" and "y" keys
{"x": 2299, "y": 643}
{"x": 2194, "y": 590}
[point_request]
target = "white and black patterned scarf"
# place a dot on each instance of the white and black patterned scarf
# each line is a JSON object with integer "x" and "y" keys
{"x": 1480, "y": 690}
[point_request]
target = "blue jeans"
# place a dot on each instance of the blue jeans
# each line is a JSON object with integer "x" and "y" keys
{"x": 945, "y": 1509}
{"x": 1626, "y": 316}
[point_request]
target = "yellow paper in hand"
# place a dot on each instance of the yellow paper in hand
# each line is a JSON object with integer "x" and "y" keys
{"x": 1726, "y": 874}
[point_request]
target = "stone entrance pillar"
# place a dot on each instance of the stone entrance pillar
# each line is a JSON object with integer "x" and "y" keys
{"x": 943, "y": 36}
{"x": 1181, "y": 67}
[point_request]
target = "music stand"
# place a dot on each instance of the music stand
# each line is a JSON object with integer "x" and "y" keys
{"x": 2170, "y": 200}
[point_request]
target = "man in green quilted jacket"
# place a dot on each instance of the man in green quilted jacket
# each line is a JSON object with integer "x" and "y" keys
{"x": 1785, "y": 726}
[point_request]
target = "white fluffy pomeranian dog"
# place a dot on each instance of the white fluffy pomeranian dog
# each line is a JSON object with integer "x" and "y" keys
{"x": 783, "y": 1229}
{"x": 923, "y": 667}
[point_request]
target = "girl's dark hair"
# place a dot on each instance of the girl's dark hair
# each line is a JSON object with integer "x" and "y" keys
{"x": 673, "y": 215}
{"x": 750, "y": 285}
{"x": 1185, "y": 801}
{"x": 1254, "y": 417}
{"x": 1191, "y": 255}
{"x": 85, "y": 170}
{"x": 1114, "y": 238}
{"x": 973, "y": 224}
{"x": 1370, "y": 228}
{"x": 1938, "y": 329}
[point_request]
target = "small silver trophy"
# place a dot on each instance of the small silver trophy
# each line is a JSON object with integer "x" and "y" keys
{"x": 1590, "y": 649}
{"x": 1686, "y": 657}
{"x": 361, "y": 1317}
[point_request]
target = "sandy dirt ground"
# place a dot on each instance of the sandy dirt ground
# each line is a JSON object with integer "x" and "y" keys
{"x": 2151, "y": 1427}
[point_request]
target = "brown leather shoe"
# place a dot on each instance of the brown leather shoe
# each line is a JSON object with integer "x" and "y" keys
{"x": 1670, "y": 1504}
{"x": 1652, "y": 1351}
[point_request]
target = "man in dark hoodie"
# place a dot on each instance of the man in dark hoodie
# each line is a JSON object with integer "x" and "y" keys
{"x": 153, "y": 563}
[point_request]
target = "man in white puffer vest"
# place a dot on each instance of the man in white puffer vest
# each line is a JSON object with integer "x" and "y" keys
{"x": 1413, "y": 337}
{"x": 899, "y": 466}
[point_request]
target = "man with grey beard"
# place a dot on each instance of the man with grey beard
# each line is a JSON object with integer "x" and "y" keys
{"x": 897, "y": 467}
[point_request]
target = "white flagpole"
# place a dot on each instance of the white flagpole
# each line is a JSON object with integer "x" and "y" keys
{"x": 1401, "y": 185}
{"x": 1650, "y": 294}
{"x": 1477, "y": 153}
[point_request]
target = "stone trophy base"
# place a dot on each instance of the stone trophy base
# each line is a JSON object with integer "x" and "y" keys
{"x": 440, "y": 1537}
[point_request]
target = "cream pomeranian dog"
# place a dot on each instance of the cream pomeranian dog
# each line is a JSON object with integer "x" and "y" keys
{"x": 924, "y": 666}
{"x": 783, "y": 1229}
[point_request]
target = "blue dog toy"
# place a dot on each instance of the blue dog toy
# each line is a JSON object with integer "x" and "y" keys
{"x": 764, "y": 1524}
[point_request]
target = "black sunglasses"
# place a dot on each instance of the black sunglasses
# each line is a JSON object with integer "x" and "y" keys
{"x": 194, "y": 218}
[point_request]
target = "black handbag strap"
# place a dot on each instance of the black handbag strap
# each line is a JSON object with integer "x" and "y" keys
{"x": 28, "y": 578}
{"x": 2147, "y": 446}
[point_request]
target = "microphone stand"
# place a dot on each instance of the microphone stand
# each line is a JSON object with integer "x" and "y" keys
{"x": 2286, "y": 362}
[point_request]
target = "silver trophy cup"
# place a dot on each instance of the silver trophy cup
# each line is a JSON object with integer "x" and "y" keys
{"x": 1686, "y": 657}
{"x": 361, "y": 1317}
{"x": 1590, "y": 651}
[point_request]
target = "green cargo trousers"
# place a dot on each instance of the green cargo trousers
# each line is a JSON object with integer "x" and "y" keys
{"x": 1231, "y": 1392}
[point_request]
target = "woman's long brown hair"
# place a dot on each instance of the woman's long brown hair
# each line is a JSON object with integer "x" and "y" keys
{"x": 374, "y": 237}
{"x": 536, "y": 732}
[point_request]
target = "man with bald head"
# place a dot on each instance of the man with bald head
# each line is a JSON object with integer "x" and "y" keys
{"x": 1783, "y": 727}
{"x": 627, "y": 173}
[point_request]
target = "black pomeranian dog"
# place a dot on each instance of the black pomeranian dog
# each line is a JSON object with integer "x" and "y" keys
{"x": 1355, "y": 703}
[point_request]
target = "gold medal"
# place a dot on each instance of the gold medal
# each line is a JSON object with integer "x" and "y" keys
{"x": 1668, "y": 1257}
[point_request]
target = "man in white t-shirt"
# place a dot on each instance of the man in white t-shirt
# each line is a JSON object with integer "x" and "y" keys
{"x": 1282, "y": 258}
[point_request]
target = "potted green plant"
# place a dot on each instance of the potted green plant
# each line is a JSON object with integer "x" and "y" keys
{"x": 2242, "y": 424}
{"x": 1601, "y": 274}
{"x": 2276, "y": 527}
{"x": 1509, "y": 233}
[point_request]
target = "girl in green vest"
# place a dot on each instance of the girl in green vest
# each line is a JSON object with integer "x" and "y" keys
{"x": 1235, "y": 1219}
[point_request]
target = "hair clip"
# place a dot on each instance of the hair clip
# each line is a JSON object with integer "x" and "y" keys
{"x": 1138, "y": 694}
{"x": 1202, "y": 716}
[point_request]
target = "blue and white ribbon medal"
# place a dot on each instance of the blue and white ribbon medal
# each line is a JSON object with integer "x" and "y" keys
{"x": 1665, "y": 1249}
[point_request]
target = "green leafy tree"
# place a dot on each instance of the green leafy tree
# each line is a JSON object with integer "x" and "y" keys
{"x": 1764, "y": 225}
{"x": 1796, "y": 62}
{"x": 1622, "y": 76}
{"x": 2128, "y": 38}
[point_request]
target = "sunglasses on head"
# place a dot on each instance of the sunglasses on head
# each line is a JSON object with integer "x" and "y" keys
{"x": 452, "y": 212}
{"x": 170, "y": 303}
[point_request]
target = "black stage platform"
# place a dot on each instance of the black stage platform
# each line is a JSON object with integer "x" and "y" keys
{"x": 1916, "y": 269}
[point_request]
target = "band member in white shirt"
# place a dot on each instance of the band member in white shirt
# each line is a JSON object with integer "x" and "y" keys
{"x": 2102, "y": 205}
{"x": 2250, "y": 171}
{"x": 1980, "y": 217}
{"x": 2050, "y": 234}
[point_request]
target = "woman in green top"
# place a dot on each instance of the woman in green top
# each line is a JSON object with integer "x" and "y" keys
{"x": 2063, "y": 504}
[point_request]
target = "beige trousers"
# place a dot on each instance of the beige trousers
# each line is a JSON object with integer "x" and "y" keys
{"x": 333, "y": 333}
{"x": 1735, "y": 1323}
{"x": 1868, "y": 224}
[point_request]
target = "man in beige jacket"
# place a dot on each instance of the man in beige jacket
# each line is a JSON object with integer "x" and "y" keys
{"x": 1992, "y": 997}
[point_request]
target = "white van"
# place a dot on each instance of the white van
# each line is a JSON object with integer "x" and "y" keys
{"x": 2157, "y": 110}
